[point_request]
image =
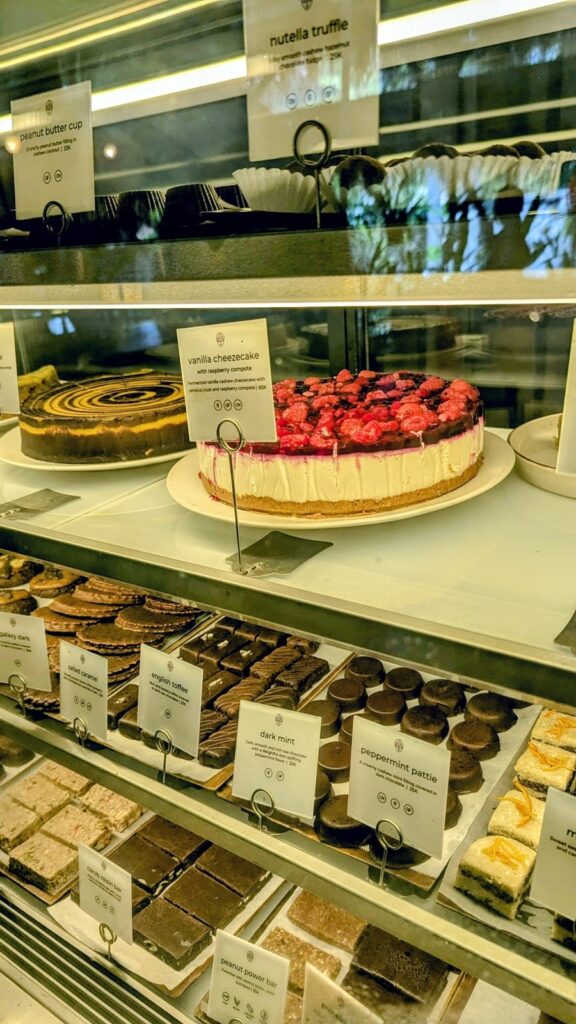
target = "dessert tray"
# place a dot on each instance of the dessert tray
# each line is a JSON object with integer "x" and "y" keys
{"x": 11, "y": 453}
{"x": 537, "y": 455}
{"x": 187, "y": 490}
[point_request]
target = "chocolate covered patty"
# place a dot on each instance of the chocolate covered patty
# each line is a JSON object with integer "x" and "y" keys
{"x": 406, "y": 681}
{"x": 453, "y": 808}
{"x": 329, "y": 714}
{"x": 334, "y": 825}
{"x": 369, "y": 671}
{"x": 475, "y": 737}
{"x": 492, "y": 709}
{"x": 334, "y": 760}
{"x": 427, "y": 724}
{"x": 465, "y": 772}
{"x": 386, "y": 707}
{"x": 350, "y": 694}
{"x": 443, "y": 694}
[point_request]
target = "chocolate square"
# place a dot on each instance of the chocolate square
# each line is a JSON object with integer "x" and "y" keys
{"x": 149, "y": 865}
{"x": 241, "y": 660}
{"x": 128, "y": 724}
{"x": 212, "y": 657}
{"x": 173, "y": 839}
{"x": 192, "y": 649}
{"x": 233, "y": 871}
{"x": 208, "y": 900}
{"x": 218, "y": 683}
{"x": 170, "y": 934}
{"x": 122, "y": 701}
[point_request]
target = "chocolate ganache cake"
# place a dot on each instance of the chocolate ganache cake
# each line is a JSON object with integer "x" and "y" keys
{"x": 356, "y": 444}
{"x": 106, "y": 419}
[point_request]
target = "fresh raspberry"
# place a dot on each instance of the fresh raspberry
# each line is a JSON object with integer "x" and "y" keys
{"x": 387, "y": 381}
{"x": 380, "y": 413}
{"x": 408, "y": 409}
{"x": 295, "y": 442}
{"x": 350, "y": 427}
{"x": 376, "y": 396}
{"x": 405, "y": 385}
{"x": 414, "y": 425}
{"x": 351, "y": 389}
{"x": 327, "y": 389}
{"x": 325, "y": 442}
{"x": 450, "y": 411}
{"x": 367, "y": 375}
{"x": 311, "y": 380}
{"x": 429, "y": 386}
{"x": 394, "y": 393}
{"x": 390, "y": 426}
{"x": 324, "y": 401}
{"x": 296, "y": 413}
{"x": 344, "y": 377}
{"x": 369, "y": 433}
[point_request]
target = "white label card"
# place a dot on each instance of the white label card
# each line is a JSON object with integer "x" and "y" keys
{"x": 311, "y": 59}
{"x": 53, "y": 153}
{"x": 248, "y": 983}
{"x": 23, "y": 651}
{"x": 170, "y": 697}
{"x": 84, "y": 688}
{"x": 277, "y": 751}
{"x": 566, "y": 462}
{"x": 326, "y": 1003}
{"x": 401, "y": 779}
{"x": 9, "y": 397}
{"x": 554, "y": 879}
{"x": 105, "y": 892}
{"x": 227, "y": 375}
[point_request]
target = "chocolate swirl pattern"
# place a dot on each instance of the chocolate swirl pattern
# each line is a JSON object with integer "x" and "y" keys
{"x": 106, "y": 419}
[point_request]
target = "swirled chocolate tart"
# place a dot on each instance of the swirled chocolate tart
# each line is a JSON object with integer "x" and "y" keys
{"x": 106, "y": 419}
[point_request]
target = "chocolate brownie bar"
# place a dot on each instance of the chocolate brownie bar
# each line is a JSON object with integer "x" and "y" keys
{"x": 405, "y": 968}
{"x": 218, "y": 683}
{"x": 170, "y": 934}
{"x": 204, "y": 898}
{"x": 173, "y": 839}
{"x": 150, "y": 866}
{"x": 279, "y": 697}
{"x": 304, "y": 673}
{"x": 211, "y": 658}
{"x": 210, "y": 721}
{"x": 303, "y": 644}
{"x": 218, "y": 750}
{"x": 276, "y": 662}
{"x": 241, "y": 660}
{"x": 231, "y": 870}
{"x": 249, "y": 689}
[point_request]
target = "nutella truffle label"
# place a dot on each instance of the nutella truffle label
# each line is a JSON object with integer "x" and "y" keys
{"x": 398, "y": 778}
{"x": 170, "y": 699}
{"x": 277, "y": 752}
{"x": 326, "y": 1003}
{"x": 227, "y": 376}
{"x": 105, "y": 893}
{"x": 9, "y": 397}
{"x": 311, "y": 59}
{"x": 248, "y": 984}
{"x": 554, "y": 879}
{"x": 84, "y": 690}
{"x": 51, "y": 142}
{"x": 23, "y": 652}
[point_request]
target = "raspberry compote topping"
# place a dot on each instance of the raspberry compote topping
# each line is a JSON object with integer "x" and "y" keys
{"x": 369, "y": 411}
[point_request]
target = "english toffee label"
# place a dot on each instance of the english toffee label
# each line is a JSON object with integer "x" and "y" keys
{"x": 84, "y": 689}
{"x": 105, "y": 892}
{"x": 9, "y": 397}
{"x": 248, "y": 983}
{"x": 170, "y": 698}
{"x": 554, "y": 879}
{"x": 277, "y": 751}
{"x": 23, "y": 651}
{"x": 227, "y": 375}
{"x": 400, "y": 779}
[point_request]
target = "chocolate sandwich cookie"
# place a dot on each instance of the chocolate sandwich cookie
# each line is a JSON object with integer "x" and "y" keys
{"x": 406, "y": 681}
{"x": 111, "y": 587}
{"x": 86, "y": 592}
{"x": 427, "y": 724}
{"x": 453, "y": 808}
{"x": 211, "y": 657}
{"x": 334, "y": 825}
{"x": 279, "y": 697}
{"x": 302, "y": 643}
{"x": 491, "y": 709}
{"x": 443, "y": 694}
{"x": 110, "y": 636}
{"x": 465, "y": 772}
{"x": 61, "y": 624}
{"x": 241, "y": 660}
{"x": 120, "y": 703}
{"x": 334, "y": 760}
{"x": 303, "y": 673}
{"x": 19, "y": 602}
{"x": 369, "y": 671}
{"x": 350, "y": 694}
{"x": 475, "y": 737}
{"x": 191, "y": 650}
{"x": 274, "y": 663}
{"x": 14, "y": 571}
{"x": 248, "y": 689}
{"x": 329, "y": 714}
{"x": 217, "y": 684}
{"x": 139, "y": 619}
{"x": 53, "y": 582}
{"x": 386, "y": 707}
{"x": 128, "y": 724}
{"x": 69, "y": 604}
{"x": 210, "y": 721}
{"x": 218, "y": 750}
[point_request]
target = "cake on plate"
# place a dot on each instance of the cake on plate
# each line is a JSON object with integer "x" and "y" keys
{"x": 355, "y": 444}
{"x": 116, "y": 418}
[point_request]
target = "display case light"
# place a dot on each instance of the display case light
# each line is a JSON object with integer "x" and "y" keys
{"x": 452, "y": 17}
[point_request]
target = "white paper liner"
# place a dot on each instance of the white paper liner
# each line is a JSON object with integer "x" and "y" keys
{"x": 138, "y": 960}
{"x": 276, "y": 190}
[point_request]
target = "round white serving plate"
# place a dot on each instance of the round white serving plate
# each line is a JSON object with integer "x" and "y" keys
{"x": 537, "y": 454}
{"x": 11, "y": 452}
{"x": 10, "y": 421}
{"x": 185, "y": 487}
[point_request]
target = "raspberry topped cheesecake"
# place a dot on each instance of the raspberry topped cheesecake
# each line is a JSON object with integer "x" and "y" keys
{"x": 355, "y": 444}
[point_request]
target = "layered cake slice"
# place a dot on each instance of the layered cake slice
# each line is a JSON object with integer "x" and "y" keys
{"x": 518, "y": 816}
{"x": 542, "y": 765}
{"x": 556, "y": 729}
{"x": 496, "y": 871}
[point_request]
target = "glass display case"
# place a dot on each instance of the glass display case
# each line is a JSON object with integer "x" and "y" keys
{"x": 455, "y": 263}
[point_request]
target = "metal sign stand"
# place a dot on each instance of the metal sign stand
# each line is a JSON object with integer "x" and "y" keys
{"x": 263, "y": 807}
{"x": 48, "y": 222}
{"x": 108, "y": 936}
{"x": 81, "y": 731}
{"x": 390, "y": 837}
{"x": 165, "y": 746}
{"x": 316, "y": 163}
{"x": 18, "y": 685}
{"x": 231, "y": 447}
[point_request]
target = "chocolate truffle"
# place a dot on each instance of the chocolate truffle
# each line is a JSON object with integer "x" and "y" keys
{"x": 492, "y": 709}
{"x": 453, "y": 808}
{"x": 348, "y": 693}
{"x": 428, "y": 724}
{"x": 369, "y": 671}
{"x": 406, "y": 681}
{"x": 443, "y": 694}
{"x": 465, "y": 772}
{"x": 328, "y": 711}
{"x": 475, "y": 737}
{"x": 334, "y": 825}
{"x": 334, "y": 760}
{"x": 386, "y": 707}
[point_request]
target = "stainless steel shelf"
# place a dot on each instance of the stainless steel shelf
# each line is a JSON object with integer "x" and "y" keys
{"x": 542, "y": 980}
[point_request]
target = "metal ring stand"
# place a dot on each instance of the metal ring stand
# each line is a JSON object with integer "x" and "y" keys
{"x": 231, "y": 447}
{"x": 390, "y": 837}
{"x": 316, "y": 163}
{"x": 48, "y": 222}
{"x": 18, "y": 684}
{"x": 81, "y": 730}
{"x": 164, "y": 746}
{"x": 262, "y": 813}
{"x": 108, "y": 936}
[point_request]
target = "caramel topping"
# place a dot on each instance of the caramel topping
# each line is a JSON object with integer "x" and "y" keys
{"x": 549, "y": 762}
{"x": 502, "y": 849}
{"x": 522, "y": 802}
{"x": 562, "y": 725}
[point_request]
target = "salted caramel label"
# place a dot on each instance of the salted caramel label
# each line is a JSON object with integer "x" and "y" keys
{"x": 84, "y": 690}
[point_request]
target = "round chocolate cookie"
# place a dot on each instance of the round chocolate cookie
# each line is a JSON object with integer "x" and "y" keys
{"x": 453, "y": 809}
{"x": 369, "y": 671}
{"x": 476, "y": 738}
{"x": 406, "y": 681}
{"x": 334, "y": 760}
{"x": 386, "y": 707}
{"x": 110, "y": 635}
{"x": 334, "y": 825}
{"x": 14, "y": 571}
{"x": 348, "y": 693}
{"x": 140, "y": 619}
{"x": 465, "y": 772}
{"x": 54, "y": 623}
{"x": 443, "y": 694}
{"x": 429, "y": 724}
{"x": 18, "y": 601}
{"x": 328, "y": 711}
{"x": 70, "y": 604}
{"x": 491, "y": 709}
{"x": 52, "y": 582}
